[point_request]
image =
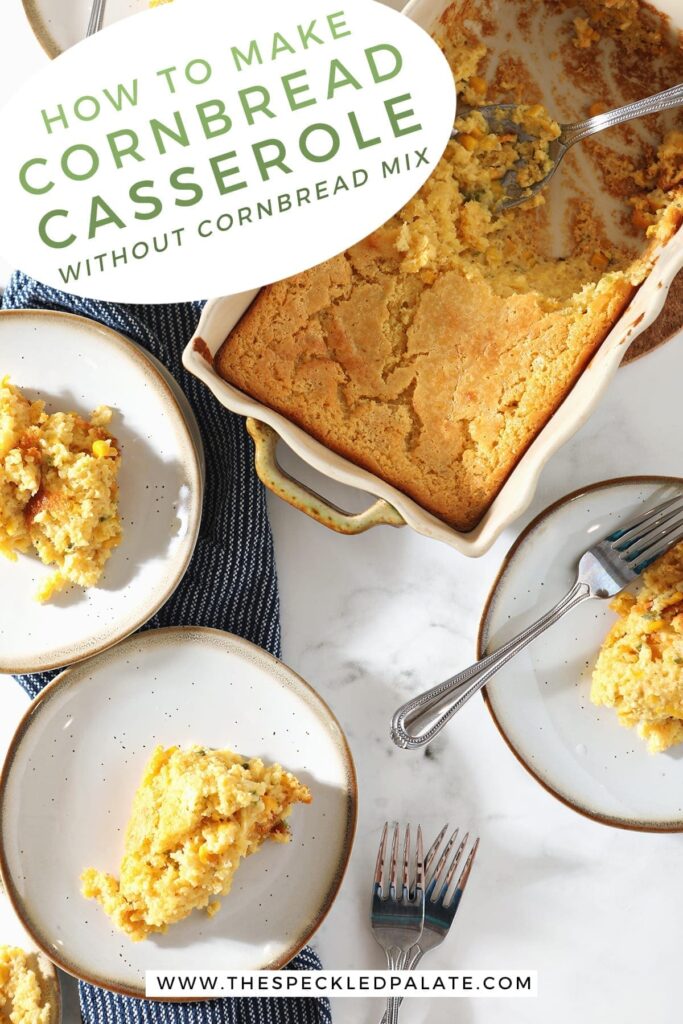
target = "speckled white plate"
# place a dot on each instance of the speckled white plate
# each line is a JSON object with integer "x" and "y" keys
{"x": 540, "y": 700}
{"x": 13, "y": 933}
{"x": 77, "y": 758}
{"x": 73, "y": 363}
{"x": 59, "y": 24}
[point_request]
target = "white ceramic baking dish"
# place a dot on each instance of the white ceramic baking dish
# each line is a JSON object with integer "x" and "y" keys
{"x": 393, "y": 507}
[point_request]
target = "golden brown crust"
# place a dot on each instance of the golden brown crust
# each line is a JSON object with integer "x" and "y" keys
{"x": 434, "y": 351}
{"x": 444, "y": 421}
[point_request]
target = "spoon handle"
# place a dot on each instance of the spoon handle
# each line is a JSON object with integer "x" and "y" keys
{"x": 666, "y": 100}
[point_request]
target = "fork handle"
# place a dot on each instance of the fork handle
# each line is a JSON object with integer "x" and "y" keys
{"x": 666, "y": 100}
{"x": 395, "y": 962}
{"x": 418, "y": 721}
{"x": 413, "y": 958}
{"x": 96, "y": 17}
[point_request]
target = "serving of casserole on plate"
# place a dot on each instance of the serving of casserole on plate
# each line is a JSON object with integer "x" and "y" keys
{"x": 147, "y": 725}
{"x": 112, "y": 510}
{"x": 439, "y": 363}
{"x": 552, "y": 704}
{"x": 29, "y": 985}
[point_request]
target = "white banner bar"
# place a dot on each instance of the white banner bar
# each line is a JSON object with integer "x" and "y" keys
{"x": 341, "y": 984}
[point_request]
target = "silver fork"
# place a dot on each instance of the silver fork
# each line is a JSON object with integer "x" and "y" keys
{"x": 96, "y": 17}
{"x": 397, "y": 916}
{"x": 500, "y": 122}
{"x": 603, "y": 570}
{"x": 439, "y": 913}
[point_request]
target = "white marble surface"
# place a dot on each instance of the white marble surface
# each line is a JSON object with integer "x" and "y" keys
{"x": 368, "y": 620}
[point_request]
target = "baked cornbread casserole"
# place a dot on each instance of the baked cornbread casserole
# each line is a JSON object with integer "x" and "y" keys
{"x": 196, "y": 814}
{"x": 434, "y": 351}
{"x": 58, "y": 489}
{"x": 27, "y": 993}
{"x": 639, "y": 671}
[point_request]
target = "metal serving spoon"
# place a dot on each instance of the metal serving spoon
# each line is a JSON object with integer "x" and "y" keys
{"x": 500, "y": 123}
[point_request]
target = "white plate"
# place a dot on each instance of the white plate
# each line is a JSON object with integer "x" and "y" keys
{"x": 185, "y": 408}
{"x": 74, "y": 363}
{"x": 77, "y": 758}
{"x": 59, "y": 24}
{"x": 540, "y": 701}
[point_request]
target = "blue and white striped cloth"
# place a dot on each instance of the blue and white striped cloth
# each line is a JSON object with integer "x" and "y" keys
{"x": 230, "y": 584}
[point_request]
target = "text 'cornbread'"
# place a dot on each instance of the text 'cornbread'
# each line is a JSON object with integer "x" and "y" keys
{"x": 196, "y": 814}
{"x": 27, "y": 992}
{"x": 639, "y": 671}
{"x": 434, "y": 351}
{"x": 58, "y": 489}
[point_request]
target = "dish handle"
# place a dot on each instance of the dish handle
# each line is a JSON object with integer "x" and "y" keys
{"x": 296, "y": 494}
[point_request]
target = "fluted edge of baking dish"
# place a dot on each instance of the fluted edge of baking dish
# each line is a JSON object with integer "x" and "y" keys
{"x": 220, "y": 315}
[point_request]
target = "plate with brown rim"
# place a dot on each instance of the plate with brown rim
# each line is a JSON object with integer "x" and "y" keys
{"x": 160, "y": 483}
{"x": 77, "y": 758}
{"x": 540, "y": 701}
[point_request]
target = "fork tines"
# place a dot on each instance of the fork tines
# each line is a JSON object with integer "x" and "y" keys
{"x": 644, "y": 518}
{"x": 434, "y": 849}
{"x": 464, "y": 875}
{"x": 411, "y": 888}
{"x": 444, "y": 873}
{"x": 419, "y": 874}
{"x": 650, "y": 534}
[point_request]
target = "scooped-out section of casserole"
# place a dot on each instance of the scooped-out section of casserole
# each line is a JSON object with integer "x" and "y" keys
{"x": 432, "y": 352}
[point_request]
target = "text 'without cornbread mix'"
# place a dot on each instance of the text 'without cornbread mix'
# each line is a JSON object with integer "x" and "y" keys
{"x": 196, "y": 814}
{"x": 434, "y": 351}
